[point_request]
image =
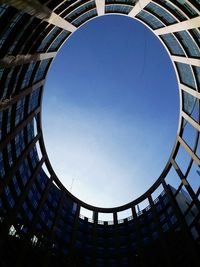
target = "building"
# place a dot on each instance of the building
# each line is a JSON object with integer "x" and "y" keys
{"x": 40, "y": 221}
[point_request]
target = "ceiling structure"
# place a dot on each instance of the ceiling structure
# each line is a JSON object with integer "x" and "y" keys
{"x": 32, "y": 198}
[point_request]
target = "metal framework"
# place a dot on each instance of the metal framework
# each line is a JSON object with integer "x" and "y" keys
{"x": 40, "y": 220}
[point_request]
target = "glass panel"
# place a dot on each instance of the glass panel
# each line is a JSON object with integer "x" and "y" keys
{"x": 185, "y": 72}
{"x": 172, "y": 44}
{"x": 161, "y": 13}
{"x": 83, "y": 18}
{"x": 118, "y": 9}
{"x": 151, "y": 20}
{"x": 189, "y": 45}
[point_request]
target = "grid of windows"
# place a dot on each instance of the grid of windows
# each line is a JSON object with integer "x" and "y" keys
{"x": 80, "y": 10}
{"x": 34, "y": 99}
{"x": 40, "y": 73}
{"x": 49, "y": 39}
{"x": 188, "y": 44}
{"x": 124, "y": 9}
{"x": 10, "y": 28}
{"x": 172, "y": 44}
{"x": 112, "y": 242}
{"x": 186, "y": 8}
{"x": 19, "y": 143}
{"x": 161, "y": 13}
{"x": 28, "y": 74}
{"x": 19, "y": 114}
{"x": 58, "y": 41}
{"x": 86, "y": 16}
{"x": 151, "y": 20}
{"x": 173, "y": 9}
{"x": 185, "y": 72}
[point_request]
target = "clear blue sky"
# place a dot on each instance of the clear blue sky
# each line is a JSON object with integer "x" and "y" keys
{"x": 110, "y": 111}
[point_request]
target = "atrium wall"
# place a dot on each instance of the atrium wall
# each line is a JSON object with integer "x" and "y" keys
{"x": 40, "y": 220}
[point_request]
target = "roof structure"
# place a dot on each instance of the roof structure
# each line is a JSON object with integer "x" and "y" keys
{"x": 35, "y": 207}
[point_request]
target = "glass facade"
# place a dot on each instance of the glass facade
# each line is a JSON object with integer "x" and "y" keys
{"x": 172, "y": 44}
{"x": 41, "y": 223}
{"x": 161, "y": 13}
{"x": 150, "y": 20}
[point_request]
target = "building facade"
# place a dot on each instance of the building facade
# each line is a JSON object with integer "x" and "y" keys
{"x": 40, "y": 220}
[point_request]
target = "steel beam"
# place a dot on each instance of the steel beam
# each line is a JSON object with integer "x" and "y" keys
{"x": 189, "y": 150}
{"x": 100, "y": 4}
{"x": 190, "y": 91}
{"x": 187, "y": 60}
{"x": 180, "y": 26}
{"x": 190, "y": 120}
{"x": 10, "y": 60}
{"x": 138, "y": 7}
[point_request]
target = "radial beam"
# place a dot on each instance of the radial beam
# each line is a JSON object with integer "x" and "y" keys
{"x": 187, "y": 60}
{"x": 189, "y": 150}
{"x": 138, "y": 7}
{"x": 10, "y": 60}
{"x": 190, "y": 120}
{"x": 180, "y": 26}
{"x": 190, "y": 91}
{"x": 36, "y": 9}
{"x": 100, "y": 4}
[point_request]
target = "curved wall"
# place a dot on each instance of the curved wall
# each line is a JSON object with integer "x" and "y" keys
{"x": 41, "y": 222}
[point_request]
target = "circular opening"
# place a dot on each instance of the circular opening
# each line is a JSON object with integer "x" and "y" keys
{"x": 110, "y": 111}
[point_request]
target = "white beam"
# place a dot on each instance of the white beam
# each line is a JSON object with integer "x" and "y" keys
{"x": 138, "y": 7}
{"x": 190, "y": 91}
{"x": 180, "y": 26}
{"x": 187, "y": 60}
{"x": 190, "y": 120}
{"x": 189, "y": 150}
{"x": 100, "y": 4}
{"x": 9, "y": 60}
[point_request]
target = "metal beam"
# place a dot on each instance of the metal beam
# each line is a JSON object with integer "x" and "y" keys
{"x": 189, "y": 150}
{"x": 138, "y": 7}
{"x": 187, "y": 60}
{"x": 190, "y": 91}
{"x": 180, "y": 26}
{"x": 6, "y": 103}
{"x": 100, "y": 4}
{"x": 190, "y": 120}
{"x": 36, "y": 9}
{"x": 10, "y": 60}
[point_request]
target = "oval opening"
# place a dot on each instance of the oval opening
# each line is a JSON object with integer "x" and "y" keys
{"x": 110, "y": 111}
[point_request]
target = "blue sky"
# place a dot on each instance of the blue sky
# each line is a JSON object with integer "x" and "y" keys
{"x": 110, "y": 111}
